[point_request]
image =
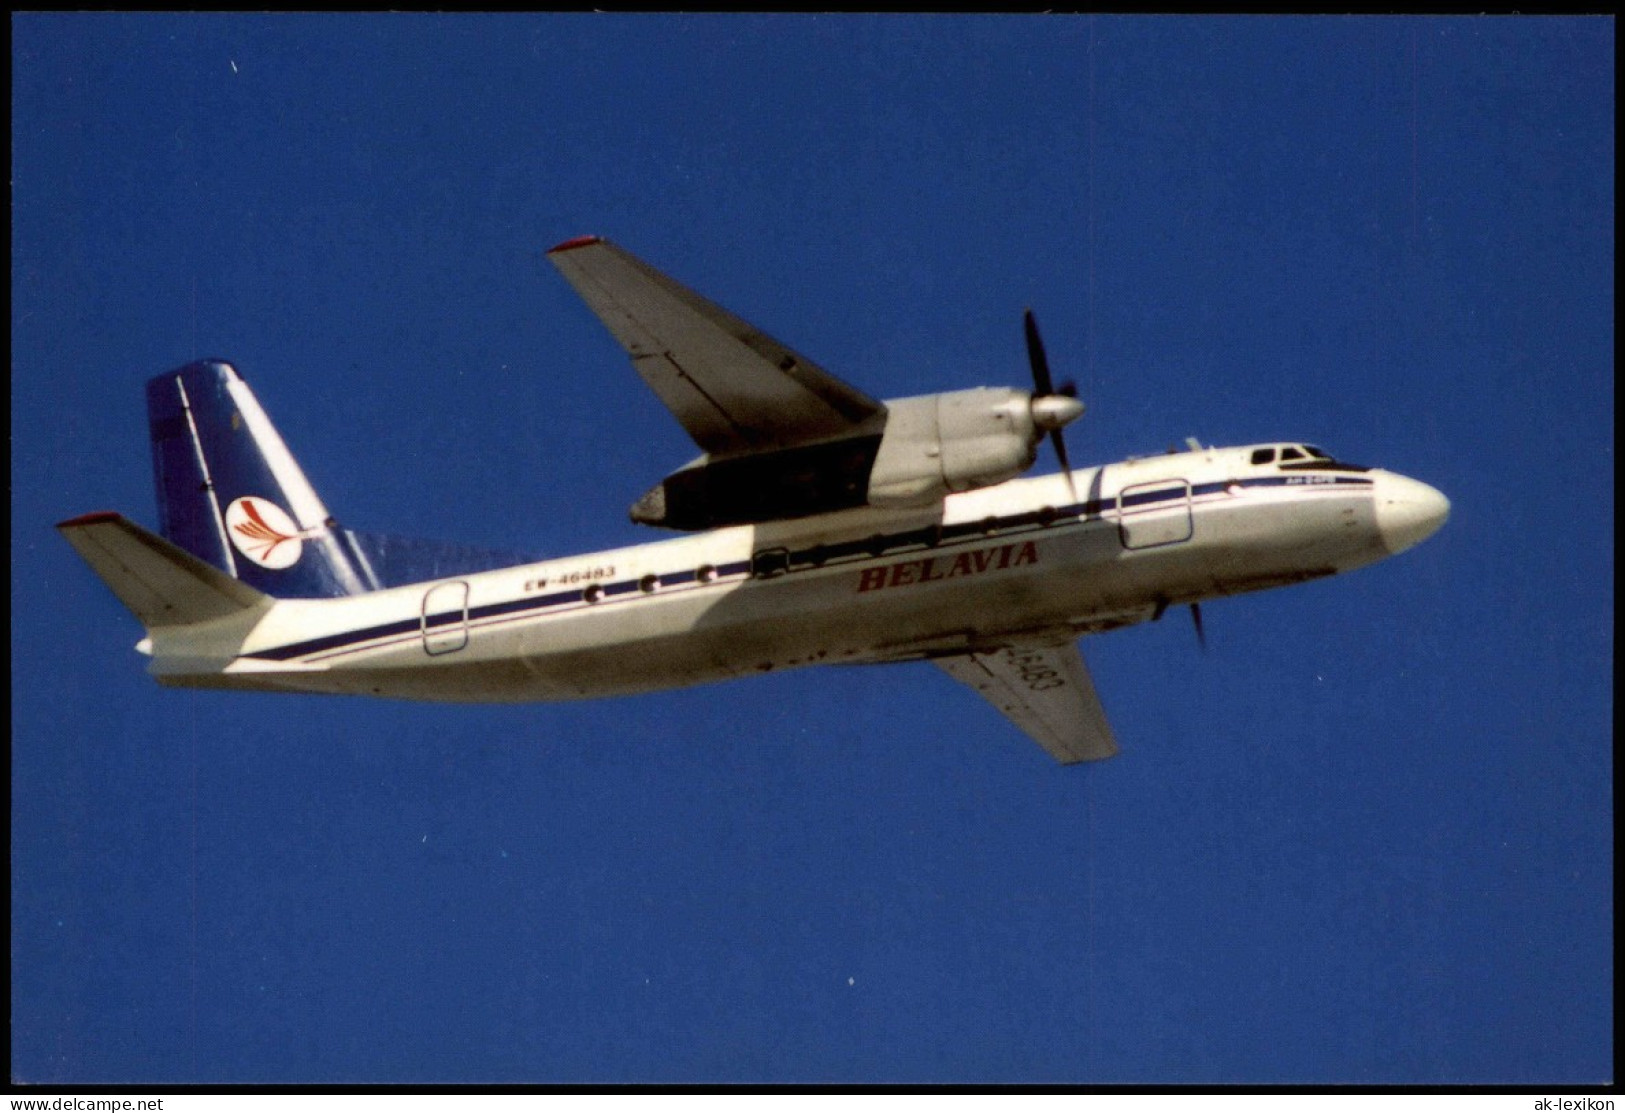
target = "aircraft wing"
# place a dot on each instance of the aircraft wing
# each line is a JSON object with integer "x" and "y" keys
{"x": 1046, "y": 691}
{"x": 734, "y": 388}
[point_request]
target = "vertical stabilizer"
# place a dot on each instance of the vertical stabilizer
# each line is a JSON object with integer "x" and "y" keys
{"x": 230, "y": 492}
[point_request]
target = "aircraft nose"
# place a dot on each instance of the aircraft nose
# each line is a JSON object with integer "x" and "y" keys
{"x": 1408, "y": 512}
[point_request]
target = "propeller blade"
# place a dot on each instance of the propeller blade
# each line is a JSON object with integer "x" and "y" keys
{"x": 1044, "y": 387}
{"x": 1035, "y": 356}
{"x": 1196, "y": 617}
{"x": 1056, "y": 439}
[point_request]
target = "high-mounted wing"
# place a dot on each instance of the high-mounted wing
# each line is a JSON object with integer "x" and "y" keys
{"x": 734, "y": 388}
{"x": 1046, "y": 691}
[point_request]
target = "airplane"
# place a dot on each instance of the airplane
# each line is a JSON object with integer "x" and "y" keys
{"x": 818, "y": 526}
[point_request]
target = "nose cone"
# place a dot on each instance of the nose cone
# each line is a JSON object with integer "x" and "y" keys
{"x": 1408, "y": 512}
{"x": 1051, "y": 411}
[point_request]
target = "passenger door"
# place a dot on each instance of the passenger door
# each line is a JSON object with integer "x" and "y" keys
{"x": 445, "y": 618}
{"x": 1155, "y": 513}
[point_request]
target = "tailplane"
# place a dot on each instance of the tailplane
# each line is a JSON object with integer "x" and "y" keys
{"x": 161, "y": 584}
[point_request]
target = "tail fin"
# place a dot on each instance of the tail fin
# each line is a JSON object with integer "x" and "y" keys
{"x": 231, "y": 494}
{"x": 161, "y": 584}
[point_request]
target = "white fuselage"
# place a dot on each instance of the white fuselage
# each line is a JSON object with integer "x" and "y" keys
{"x": 1020, "y": 560}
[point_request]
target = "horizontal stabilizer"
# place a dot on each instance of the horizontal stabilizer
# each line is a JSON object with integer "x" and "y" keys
{"x": 161, "y": 583}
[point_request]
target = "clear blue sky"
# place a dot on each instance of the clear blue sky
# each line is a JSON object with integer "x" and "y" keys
{"x": 1365, "y": 838}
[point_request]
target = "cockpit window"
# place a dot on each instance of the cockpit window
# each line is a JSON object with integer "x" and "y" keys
{"x": 1307, "y": 457}
{"x": 1263, "y": 455}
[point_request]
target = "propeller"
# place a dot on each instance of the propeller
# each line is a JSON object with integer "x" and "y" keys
{"x": 1052, "y": 408}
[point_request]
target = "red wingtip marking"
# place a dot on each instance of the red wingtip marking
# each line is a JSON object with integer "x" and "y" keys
{"x": 579, "y": 241}
{"x": 91, "y": 519}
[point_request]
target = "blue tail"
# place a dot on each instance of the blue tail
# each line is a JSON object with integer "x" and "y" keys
{"x": 231, "y": 493}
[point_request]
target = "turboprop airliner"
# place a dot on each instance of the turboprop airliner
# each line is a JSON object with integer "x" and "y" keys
{"x": 818, "y": 526}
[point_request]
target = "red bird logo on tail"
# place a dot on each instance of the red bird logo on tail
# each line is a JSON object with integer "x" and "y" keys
{"x": 264, "y": 533}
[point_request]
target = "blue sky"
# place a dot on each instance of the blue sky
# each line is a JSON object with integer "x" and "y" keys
{"x": 1365, "y": 838}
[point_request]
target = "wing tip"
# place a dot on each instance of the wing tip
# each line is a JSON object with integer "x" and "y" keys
{"x": 95, "y": 517}
{"x": 572, "y": 244}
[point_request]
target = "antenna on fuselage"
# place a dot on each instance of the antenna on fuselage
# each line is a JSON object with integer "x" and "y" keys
{"x": 1196, "y": 620}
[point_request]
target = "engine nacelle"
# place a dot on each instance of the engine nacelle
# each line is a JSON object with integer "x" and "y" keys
{"x": 941, "y": 443}
{"x": 925, "y": 448}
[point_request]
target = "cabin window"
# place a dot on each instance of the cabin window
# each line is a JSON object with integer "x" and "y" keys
{"x": 648, "y": 584}
{"x": 705, "y": 573}
{"x": 1263, "y": 455}
{"x": 1291, "y": 454}
{"x": 1318, "y": 453}
{"x": 593, "y": 593}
